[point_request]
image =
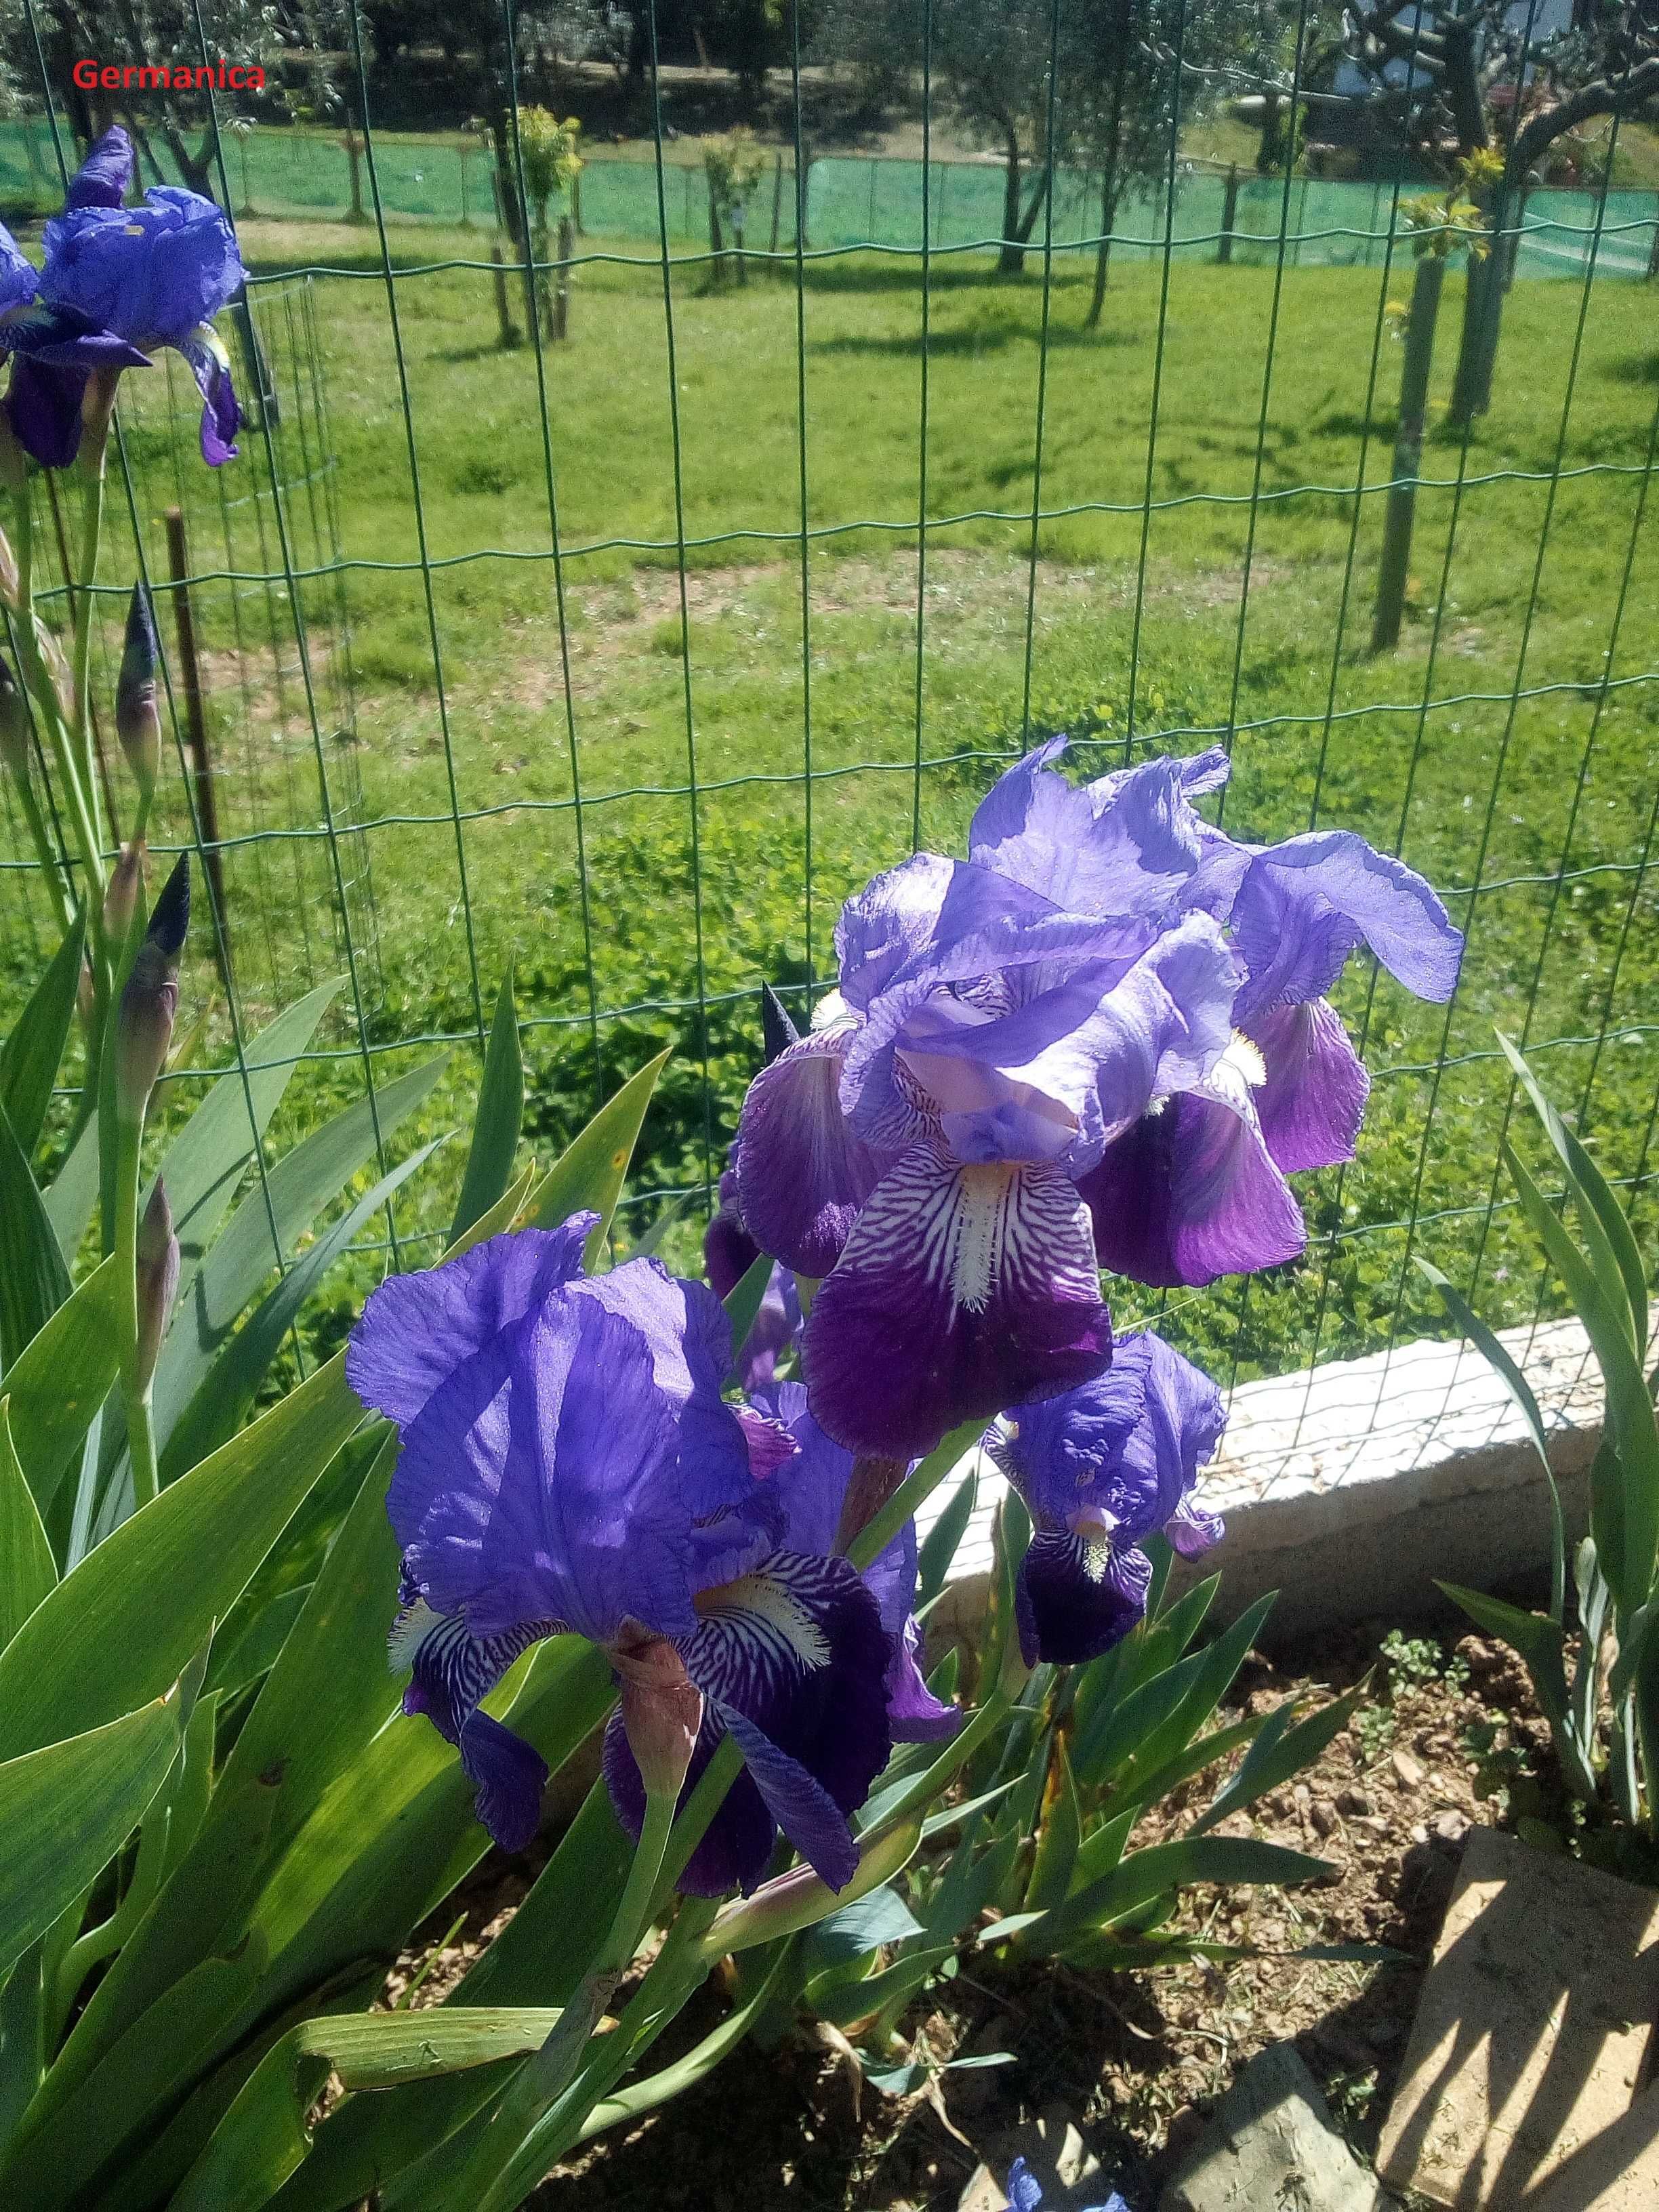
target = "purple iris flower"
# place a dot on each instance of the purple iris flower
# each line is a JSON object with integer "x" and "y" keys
{"x": 55, "y": 343}
{"x": 1196, "y": 1188}
{"x": 568, "y": 1467}
{"x": 728, "y": 1252}
{"x": 126, "y": 280}
{"x": 922, "y": 1148}
{"x": 1100, "y": 1469}
{"x": 1026, "y": 2192}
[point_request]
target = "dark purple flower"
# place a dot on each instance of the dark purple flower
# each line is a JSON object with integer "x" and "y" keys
{"x": 728, "y": 1252}
{"x": 568, "y": 1466}
{"x": 1100, "y": 1469}
{"x": 118, "y": 282}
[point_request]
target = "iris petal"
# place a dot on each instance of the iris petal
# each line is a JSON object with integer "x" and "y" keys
{"x": 792, "y": 1660}
{"x": 1075, "y": 1600}
{"x": 418, "y": 1329}
{"x": 454, "y": 1671}
{"x": 1302, "y": 907}
{"x": 1312, "y": 1103}
{"x": 205, "y": 358}
{"x": 1192, "y": 1193}
{"x": 803, "y": 1171}
{"x": 963, "y": 1290}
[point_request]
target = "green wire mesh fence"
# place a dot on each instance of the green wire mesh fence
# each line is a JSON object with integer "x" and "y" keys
{"x": 626, "y": 656}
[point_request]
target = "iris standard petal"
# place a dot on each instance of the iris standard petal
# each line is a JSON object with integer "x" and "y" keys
{"x": 152, "y": 272}
{"x": 454, "y": 1671}
{"x": 104, "y": 178}
{"x": 963, "y": 1290}
{"x": 1313, "y": 1101}
{"x": 1075, "y": 1599}
{"x": 417, "y": 1329}
{"x": 1191, "y": 1194}
{"x": 1302, "y": 907}
{"x": 803, "y": 1171}
{"x": 887, "y": 923}
{"x": 1123, "y": 846}
{"x": 1061, "y": 1075}
{"x": 1124, "y": 1449}
{"x": 792, "y": 1660}
{"x": 545, "y": 1482}
{"x": 205, "y": 358}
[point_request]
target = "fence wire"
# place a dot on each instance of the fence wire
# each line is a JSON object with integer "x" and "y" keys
{"x": 625, "y": 655}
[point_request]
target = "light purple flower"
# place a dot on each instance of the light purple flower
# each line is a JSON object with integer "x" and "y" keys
{"x": 1197, "y": 1189}
{"x": 568, "y": 1467}
{"x": 922, "y": 1147}
{"x": 1100, "y": 1469}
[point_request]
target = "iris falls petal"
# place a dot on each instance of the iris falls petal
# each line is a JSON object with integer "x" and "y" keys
{"x": 963, "y": 1290}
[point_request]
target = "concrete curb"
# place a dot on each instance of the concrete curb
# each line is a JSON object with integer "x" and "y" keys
{"x": 1351, "y": 1488}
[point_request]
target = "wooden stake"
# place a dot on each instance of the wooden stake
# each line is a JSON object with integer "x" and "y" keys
{"x": 207, "y": 801}
{"x": 509, "y": 333}
{"x": 561, "y": 282}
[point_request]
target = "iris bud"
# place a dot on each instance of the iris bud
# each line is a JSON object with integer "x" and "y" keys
{"x": 149, "y": 999}
{"x": 157, "y": 1274}
{"x": 121, "y": 893}
{"x": 14, "y": 725}
{"x": 137, "y": 716}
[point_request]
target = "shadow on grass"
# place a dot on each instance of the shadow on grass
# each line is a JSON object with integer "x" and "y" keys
{"x": 971, "y": 344}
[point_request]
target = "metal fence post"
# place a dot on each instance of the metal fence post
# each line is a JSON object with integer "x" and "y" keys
{"x": 1223, "y": 251}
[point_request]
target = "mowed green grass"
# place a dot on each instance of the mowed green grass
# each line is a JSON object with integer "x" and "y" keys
{"x": 1485, "y": 748}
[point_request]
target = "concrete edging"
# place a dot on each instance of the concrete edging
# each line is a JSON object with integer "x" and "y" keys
{"x": 1352, "y": 1488}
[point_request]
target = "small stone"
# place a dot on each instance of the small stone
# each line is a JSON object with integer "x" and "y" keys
{"x": 1353, "y": 1800}
{"x": 1322, "y": 1813}
{"x": 1419, "y": 1833}
{"x": 1451, "y": 1826}
{"x": 1408, "y": 1769}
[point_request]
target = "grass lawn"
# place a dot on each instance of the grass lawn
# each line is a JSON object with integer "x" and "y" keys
{"x": 1486, "y": 748}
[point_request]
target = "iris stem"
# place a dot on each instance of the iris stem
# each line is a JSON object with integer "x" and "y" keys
{"x": 875, "y": 1536}
{"x": 92, "y": 531}
{"x": 495, "y": 2177}
{"x": 135, "y": 1388}
{"x": 708, "y": 1796}
{"x": 37, "y": 677}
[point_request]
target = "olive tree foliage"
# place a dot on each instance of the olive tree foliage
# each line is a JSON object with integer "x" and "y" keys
{"x": 1476, "y": 78}
{"x": 1094, "y": 83}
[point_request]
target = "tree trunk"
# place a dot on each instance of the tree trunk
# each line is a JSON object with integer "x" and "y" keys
{"x": 1108, "y": 206}
{"x": 1483, "y": 321}
{"x": 1408, "y": 452}
{"x": 1011, "y": 260}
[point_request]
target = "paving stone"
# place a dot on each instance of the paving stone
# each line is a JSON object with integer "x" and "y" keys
{"x": 1531, "y": 2033}
{"x": 1617, "y": 2171}
{"x": 1271, "y": 2148}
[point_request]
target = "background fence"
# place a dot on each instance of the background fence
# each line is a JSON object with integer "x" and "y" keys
{"x": 628, "y": 658}
{"x": 873, "y": 200}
